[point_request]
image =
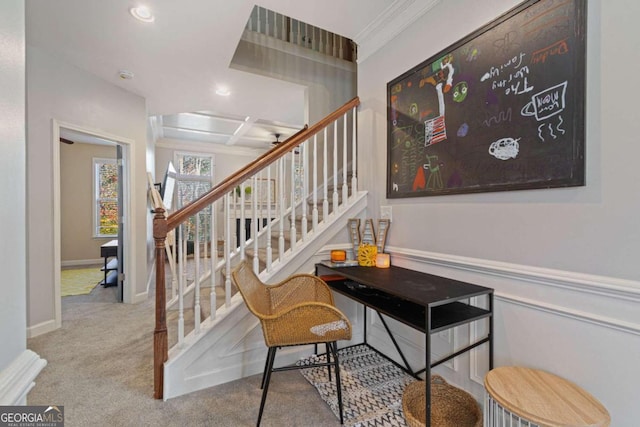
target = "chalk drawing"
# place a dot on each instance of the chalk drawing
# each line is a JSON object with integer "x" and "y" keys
{"x": 546, "y": 103}
{"x": 505, "y": 148}
{"x": 435, "y": 177}
{"x": 463, "y": 130}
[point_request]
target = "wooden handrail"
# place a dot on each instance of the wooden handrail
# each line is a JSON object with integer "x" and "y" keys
{"x": 162, "y": 225}
{"x": 255, "y": 166}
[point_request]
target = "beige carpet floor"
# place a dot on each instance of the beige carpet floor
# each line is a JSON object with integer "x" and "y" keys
{"x": 100, "y": 368}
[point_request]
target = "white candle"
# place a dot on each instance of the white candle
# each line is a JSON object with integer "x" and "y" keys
{"x": 383, "y": 260}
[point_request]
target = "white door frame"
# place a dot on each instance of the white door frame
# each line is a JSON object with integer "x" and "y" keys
{"x": 128, "y": 156}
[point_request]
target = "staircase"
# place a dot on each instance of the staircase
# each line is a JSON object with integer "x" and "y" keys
{"x": 277, "y": 212}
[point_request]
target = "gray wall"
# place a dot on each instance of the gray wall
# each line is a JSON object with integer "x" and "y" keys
{"x": 563, "y": 261}
{"x": 586, "y": 229}
{"x": 59, "y": 91}
{"x": 12, "y": 182}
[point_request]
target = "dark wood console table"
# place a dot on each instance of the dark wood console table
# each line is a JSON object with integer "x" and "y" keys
{"x": 110, "y": 250}
{"x": 423, "y": 301}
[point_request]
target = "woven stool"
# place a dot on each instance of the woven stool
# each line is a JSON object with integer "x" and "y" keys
{"x": 538, "y": 398}
{"x": 450, "y": 406}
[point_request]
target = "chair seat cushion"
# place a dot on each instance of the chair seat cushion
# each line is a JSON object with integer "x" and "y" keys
{"x": 321, "y": 330}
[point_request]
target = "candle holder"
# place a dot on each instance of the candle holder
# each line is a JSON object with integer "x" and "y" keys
{"x": 383, "y": 261}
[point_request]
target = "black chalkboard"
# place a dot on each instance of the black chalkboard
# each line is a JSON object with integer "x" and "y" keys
{"x": 502, "y": 109}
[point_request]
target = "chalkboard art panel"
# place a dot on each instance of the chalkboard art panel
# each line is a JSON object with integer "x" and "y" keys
{"x": 502, "y": 109}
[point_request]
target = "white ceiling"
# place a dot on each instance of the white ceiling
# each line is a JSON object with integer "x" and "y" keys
{"x": 179, "y": 60}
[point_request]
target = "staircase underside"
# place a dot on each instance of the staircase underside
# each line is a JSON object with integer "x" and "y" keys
{"x": 231, "y": 346}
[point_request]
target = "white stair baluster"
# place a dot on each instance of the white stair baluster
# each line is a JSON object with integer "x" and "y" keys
{"x": 254, "y": 224}
{"x": 291, "y": 39}
{"x": 258, "y": 20}
{"x": 232, "y": 213}
{"x": 334, "y": 51}
{"x": 292, "y": 236}
{"x": 325, "y": 160}
{"x": 281, "y": 208}
{"x": 196, "y": 255}
{"x": 266, "y": 22}
{"x": 327, "y": 44}
{"x": 179, "y": 244}
{"x": 284, "y": 34}
{"x": 227, "y": 245}
{"x": 314, "y": 213}
{"x": 268, "y": 235}
{"x": 243, "y": 231}
{"x": 259, "y": 203}
{"x": 336, "y": 197}
{"x": 171, "y": 250}
{"x": 354, "y": 159}
{"x": 213, "y": 259}
{"x": 345, "y": 144}
{"x": 305, "y": 187}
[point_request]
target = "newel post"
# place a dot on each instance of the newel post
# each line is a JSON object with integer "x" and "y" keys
{"x": 160, "y": 346}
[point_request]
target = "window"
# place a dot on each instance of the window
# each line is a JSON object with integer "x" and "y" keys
{"x": 194, "y": 178}
{"x": 105, "y": 190}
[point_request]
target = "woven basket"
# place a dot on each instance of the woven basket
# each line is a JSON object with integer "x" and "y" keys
{"x": 450, "y": 406}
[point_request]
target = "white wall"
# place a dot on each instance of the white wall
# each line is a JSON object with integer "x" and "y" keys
{"x": 563, "y": 261}
{"x": 12, "y": 182}
{"x": 18, "y": 366}
{"x": 56, "y": 90}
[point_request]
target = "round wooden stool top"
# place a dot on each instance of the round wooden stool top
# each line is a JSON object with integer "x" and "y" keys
{"x": 544, "y": 398}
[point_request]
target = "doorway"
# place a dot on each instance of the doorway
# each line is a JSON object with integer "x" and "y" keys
{"x": 98, "y": 152}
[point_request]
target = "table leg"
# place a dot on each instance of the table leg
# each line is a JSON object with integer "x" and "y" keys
{"x": 491, "y": 331}
{"x": 364, "y": 307}
{"x": 104, "y": 283}
{"x": 427, "y": 379}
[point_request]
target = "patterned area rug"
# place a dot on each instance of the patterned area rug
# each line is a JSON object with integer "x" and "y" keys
{"x": 372, "y": 387}
{"x": 79, "y": 281}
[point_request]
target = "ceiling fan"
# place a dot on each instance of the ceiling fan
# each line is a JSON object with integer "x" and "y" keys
{"x": 277, "y": 141}
{"x": 66, "y": 141}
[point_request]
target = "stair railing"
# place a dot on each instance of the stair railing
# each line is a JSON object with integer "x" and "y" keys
{"x": 249, "y": 190}
{"x": 281, "y": 27}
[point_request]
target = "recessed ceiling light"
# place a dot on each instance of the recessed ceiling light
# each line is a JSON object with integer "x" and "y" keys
{"x": 142, "y": 13}
{"x": 223, "y": 91}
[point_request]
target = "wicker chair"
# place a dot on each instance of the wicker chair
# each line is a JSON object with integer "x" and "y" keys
{"x": 297, "y": 311}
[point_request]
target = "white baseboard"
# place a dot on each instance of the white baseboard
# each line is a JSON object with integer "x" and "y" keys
{"x": 18, "y": 378}
{"x": 79, "y": 262}
{"x": 141, "y": 297}
{"x": 41, "y": 328}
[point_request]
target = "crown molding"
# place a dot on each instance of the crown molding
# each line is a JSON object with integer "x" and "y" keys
{"x": 391, "y": 22}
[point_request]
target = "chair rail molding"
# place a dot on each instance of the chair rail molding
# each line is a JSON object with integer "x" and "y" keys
{"x": 569, "y": 294}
